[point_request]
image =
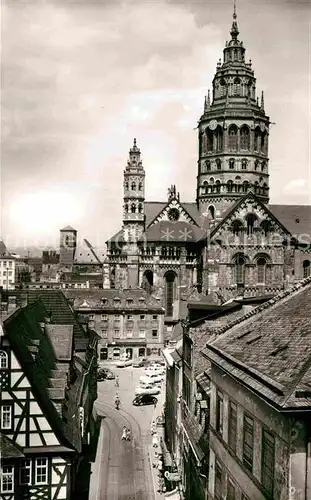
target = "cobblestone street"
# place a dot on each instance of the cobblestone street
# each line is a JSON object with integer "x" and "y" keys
{"x": 123, "y": 470}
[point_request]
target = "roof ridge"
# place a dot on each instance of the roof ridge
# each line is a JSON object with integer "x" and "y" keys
{"x": 276, "y": 299}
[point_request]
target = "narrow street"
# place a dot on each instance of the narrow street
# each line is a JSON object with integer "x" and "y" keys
{"x": 122, "y": 470}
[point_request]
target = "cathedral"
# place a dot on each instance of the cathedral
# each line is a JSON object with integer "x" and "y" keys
{"x": 229, "y": 242}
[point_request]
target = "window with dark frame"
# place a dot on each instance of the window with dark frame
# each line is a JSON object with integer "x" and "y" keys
{"x": 248, "y": 442}
{"x": 25, "y": 471}
{"x": 186, "y": 390}
{"x": 219, "y": 412}
{"x": 232, "y": 426}
{"x": 219, "y": 479}
{"x": 231, "y": 491}
{"x": 7, "y": 479}
{"x": 267, "y": 461}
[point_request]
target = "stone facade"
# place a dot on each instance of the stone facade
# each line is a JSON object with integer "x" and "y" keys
{"x": 228, "y": 242}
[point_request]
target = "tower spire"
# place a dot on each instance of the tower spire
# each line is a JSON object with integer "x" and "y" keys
{"x": 262, "y": 104}
{"x": 234, "y": 29}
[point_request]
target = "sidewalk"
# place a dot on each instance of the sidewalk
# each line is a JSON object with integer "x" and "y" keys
{"x": 154, "y": 449}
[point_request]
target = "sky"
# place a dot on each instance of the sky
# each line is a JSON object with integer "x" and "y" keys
{"x": 80, "y": 79}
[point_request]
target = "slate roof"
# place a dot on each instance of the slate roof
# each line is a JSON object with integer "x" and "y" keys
{"x": 287, "y": 215}
{"x": 108, "y": 299}
{"x": 269, "y": 349}
{"x": 48, "y": 379}
{"x": 9, "y": 449}
{"x": 68, "y": 228}
{"x": 3, "y": 250}
{"x": 296, "y": 218}
{"x": 167, "y": 231}
{"x": 86, "y": 254}
{"x": 62, "y": 314}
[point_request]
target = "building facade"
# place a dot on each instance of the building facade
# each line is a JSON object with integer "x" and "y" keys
{"x": 7, "y": 268}
{"x": 230, "y": 241}
{"x": 128, "y": 322}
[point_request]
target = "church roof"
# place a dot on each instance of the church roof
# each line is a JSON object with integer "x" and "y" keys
{"x": 255, "y": 350}
{"x": 68, "y": 228}
{"x": 86, "y": 254}
{"x": 3, "y": 250}
{"x": 296, "y": 218}
{"x": 180, "y": 231}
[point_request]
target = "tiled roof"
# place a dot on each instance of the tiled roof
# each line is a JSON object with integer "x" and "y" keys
{"x": 68, "y": 228}
{"x": 167, "y": 231}
{"x": 127, "y": 299}
{"x": 86, "y": 254}
{"x": 8, "y": 448}
{"x": 62, "y": 314}
{"x": 269, "y": 348}
{"x": 35, "y": 353}
{"x": 296, "y": 218}
{"x": 3, "y": 250}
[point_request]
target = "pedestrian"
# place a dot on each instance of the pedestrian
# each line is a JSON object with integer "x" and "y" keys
{"x": 128, "y": 435}
{"x": 117, "y": 381}
{"x": 124, "y": 434}
{"x": 155, "y": 403}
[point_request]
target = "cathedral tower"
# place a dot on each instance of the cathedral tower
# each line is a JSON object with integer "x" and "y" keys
{"x": 134, "y": 197}
{"x": 233, "y": 134}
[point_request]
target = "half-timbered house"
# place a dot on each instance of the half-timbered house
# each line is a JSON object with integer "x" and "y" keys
{"x": 48, "y": 364}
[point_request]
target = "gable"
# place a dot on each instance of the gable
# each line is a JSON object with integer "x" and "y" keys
{"x": 265, "y": 225}
{"x": 175, "y": 205}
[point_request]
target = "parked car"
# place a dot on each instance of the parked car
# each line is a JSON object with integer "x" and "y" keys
{"x": 144, "y": 399}
{"x": 152, "y": 378}
{"x": 154, "y": 371}
{"x": 147, "y": 389}
{"x": 123, "y": 364}
{"x": 139, "y": 363}
{"x": 109, "y": 374}
{"x": 101, "y": 375}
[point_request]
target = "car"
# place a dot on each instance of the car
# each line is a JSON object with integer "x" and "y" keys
{"x": 138, "y": 363}
{"x": 109, "y": 374}
{"x": 144, "y": 399}
{"x": 147, "y": 389}
{"x": 154, "y": 371}
{"x": 124, "y": 363}
{"x": 153, "y": 379}
{"x": 101, "y": 375}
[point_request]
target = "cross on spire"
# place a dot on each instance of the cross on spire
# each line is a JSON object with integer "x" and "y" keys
{"x": 234, "y": 29}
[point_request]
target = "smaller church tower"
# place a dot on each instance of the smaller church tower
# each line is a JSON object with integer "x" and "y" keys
{"x": 134, "y": 197}
{"x": 68, "y": 245}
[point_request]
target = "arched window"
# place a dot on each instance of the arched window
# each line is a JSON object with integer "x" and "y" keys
{"x": 229, "y": 186}
{"x": 245, "y": 186}
{"x": 223, "y": 87}
{"x": 265, "y": 188}
{"x": 251, "y": 220}
{"x": 170, "y": 291}
{"x": 244, "y": 138}
{"x": 133, "y": 208}
{"x": 218, "y": 164}
{"x": 257, "y": 139}
{"x": 205, "y": 187}
{"x": 133, "y": 186}
{"x": 237, "y": 86}
{"x": 126, "y": 208}
{"x": 4, "y": 360}
{"x": 263, "y": 166}
{"x": 231, "y": 164}
{"x": 67, "y": 241}
{"x": 237, "y": 227}
{"x": 208, "y": 141}
{"x": 211, "y": 211}
{"x": 261, "y": 270}
{"x": 239, "y": 269}
{"x": 263, "y": 142}
{"x": 207, "y": 165}
{"x": 140, "y": 208}
{"x": 306, "y": 268}
{"x": 218, "y": 187}
{"x": 140, "y": 186}
{"x": 256, "y": 164}
{"x": 244, "y": 164}
{"x": 233, "y": 137}
{"x": 126, "y": 185}
{"x": 265, "y": 225}
{"x": 235, "y": 56}
{"x": 219, "y": 139}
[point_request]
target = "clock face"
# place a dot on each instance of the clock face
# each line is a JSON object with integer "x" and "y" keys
{"x": 173, "y": 214}
{"x": 212, "y": 124}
